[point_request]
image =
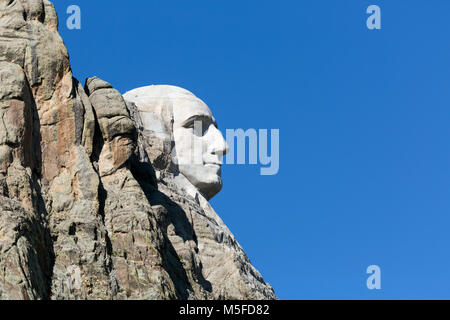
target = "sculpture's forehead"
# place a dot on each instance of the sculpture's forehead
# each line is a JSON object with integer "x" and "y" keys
{"x": 184, "y": 109}
{"x": 158, "y": 93}
{"x": 157, "y": 99}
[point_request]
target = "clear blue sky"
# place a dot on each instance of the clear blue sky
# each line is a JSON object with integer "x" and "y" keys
{"x": 364, "y": 125}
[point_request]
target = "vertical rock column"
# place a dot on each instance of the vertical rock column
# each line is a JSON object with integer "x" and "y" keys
{"x": 62, "y": 137}
{"x": 24, "y": 260}
{"x": 136, "y": 239}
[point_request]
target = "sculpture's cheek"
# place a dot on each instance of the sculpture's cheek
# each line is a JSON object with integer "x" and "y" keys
{"x": 189, "y": 147}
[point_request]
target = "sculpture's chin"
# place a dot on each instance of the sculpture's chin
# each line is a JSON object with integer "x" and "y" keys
{"x": 211, "y": 189}
{"x": 206, "y": 179}
{"x": 208, "y": 186}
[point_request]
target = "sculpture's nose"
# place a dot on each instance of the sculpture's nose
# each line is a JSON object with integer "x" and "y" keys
{"x": 218, "y": 144}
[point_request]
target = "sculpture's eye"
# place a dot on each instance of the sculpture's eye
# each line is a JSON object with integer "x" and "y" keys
{"x": 199, "y": 125}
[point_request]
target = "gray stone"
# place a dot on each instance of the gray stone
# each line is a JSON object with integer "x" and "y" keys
{"x": 93, "y": 204}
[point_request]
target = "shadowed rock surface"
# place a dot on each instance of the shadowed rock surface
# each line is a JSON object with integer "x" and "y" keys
{"x": 87, "y": 208}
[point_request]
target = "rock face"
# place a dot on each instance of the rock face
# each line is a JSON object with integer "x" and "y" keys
{"x": 89, "y": 209}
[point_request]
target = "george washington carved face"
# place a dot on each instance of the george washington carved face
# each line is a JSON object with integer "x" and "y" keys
{"x": 174, "y": 113}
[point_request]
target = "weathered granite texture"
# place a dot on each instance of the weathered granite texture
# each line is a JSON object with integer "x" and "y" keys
{"x": 86, "y": 209}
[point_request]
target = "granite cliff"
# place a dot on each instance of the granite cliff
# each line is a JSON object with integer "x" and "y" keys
{"x": 91, "y": 203}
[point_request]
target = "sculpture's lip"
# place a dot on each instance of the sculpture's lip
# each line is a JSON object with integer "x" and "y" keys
{"x": 213, "y": 164}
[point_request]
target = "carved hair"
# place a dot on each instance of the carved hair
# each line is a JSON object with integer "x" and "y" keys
{"x": 154, "y": 104}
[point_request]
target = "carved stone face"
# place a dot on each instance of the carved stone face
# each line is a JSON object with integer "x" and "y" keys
{"x": 198, "y": 144}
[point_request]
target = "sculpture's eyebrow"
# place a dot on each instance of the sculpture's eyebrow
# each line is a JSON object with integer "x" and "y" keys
{"x": 199, "y": 117}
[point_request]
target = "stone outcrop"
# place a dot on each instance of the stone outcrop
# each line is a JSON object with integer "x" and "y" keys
{"x": 87, "y": 211}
